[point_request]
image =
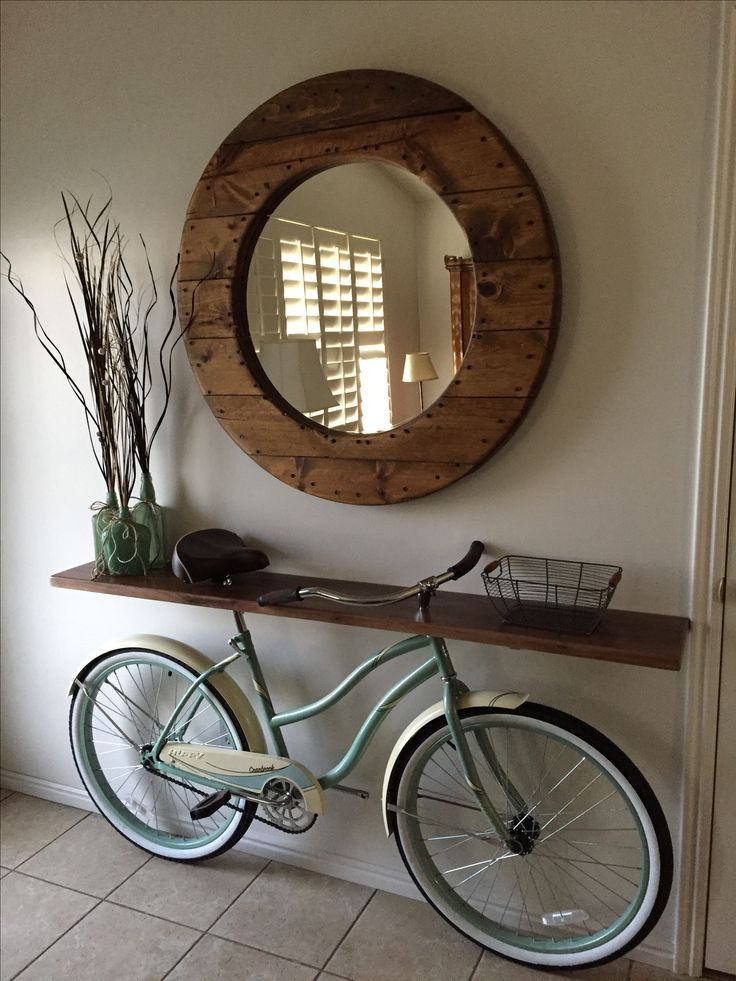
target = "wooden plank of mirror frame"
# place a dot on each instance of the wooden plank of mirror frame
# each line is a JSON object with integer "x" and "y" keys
{"x": 467, "y": 161}
{"x": 502, "y": 363}
{"x": 362, "y": 481}
{"x": 626, "y": 637}
{"x": 453, "y": 432}
{"x": 213, "y": 308}
{"x": 358, "y": 96}
{"x": 245, "y": 179}
{"x": 205, "y": 253}
{"x": 219, "y": 362}
{"x": 506, "y": 223}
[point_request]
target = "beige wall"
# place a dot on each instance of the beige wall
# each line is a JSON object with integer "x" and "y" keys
{"x": 607, "y": 102}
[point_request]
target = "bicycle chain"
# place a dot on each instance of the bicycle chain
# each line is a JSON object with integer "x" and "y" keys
{"x": 233, "y": 807}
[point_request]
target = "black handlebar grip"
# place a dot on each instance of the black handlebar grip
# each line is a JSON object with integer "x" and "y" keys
{"x": 279, "y": 597}
{"x": 468, "y": 561}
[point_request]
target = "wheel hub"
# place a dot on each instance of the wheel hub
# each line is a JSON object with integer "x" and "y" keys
{"x": 525, "y": 830}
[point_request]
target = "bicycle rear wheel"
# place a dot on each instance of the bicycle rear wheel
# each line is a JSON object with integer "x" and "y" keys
{"x": 595, "y": 867}
{"x": 128, "y": 696}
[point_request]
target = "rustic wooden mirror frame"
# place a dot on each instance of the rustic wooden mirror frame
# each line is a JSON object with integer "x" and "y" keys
{"x": 399, "y": 119}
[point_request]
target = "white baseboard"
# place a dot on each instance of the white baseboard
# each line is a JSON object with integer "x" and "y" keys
{"x": 35, "y": 787}
{"x": 338, "y": 866}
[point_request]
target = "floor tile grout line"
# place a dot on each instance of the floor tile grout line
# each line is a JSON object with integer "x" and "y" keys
{"x": 186, "y": 953}
{"x": 165, "y": 919}
{"x": 126, "y": 879}
{"x": 59, "y": 885}
{"x": 81, "y": 892}
{"x": 349, "y": 929}
{"x": 477, "y": 965}
{"x": 60, "y": 835}
{"x": 241, "y": 893}
{"x": 98, "y": 902}
{"x": 201, "y": 933}
{"x": 155, "y": 916}
{"x": 262, "y": 950}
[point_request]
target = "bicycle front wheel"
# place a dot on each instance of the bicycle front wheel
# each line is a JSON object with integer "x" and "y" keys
{"x": 128, "y": 696}
{"x": 594, "y": 864}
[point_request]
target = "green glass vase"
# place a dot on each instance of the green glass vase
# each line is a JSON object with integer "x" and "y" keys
{"x": 103, "y": 515}
{"x": 150, "y": 514}
{"x": 126, "y": 546}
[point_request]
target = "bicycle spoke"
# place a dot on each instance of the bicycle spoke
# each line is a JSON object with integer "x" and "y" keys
{"x": 131, "y": 699}
{"x": 580, "y": 866}
{"x": 573, "y": 820}
{"x": 449, "y": 800}
{"x": 565, "y": 870}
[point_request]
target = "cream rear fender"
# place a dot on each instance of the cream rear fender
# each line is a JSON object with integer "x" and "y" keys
{"x": 223, "y": 684}
{"x": 471, "y": 699}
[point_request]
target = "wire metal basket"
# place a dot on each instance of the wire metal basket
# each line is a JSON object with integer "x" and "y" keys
{"x": 551, "y": 594}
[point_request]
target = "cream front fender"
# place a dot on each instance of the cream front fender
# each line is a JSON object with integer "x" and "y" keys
{"x": 471, "y": 699}
{"x": 226, "y": 688}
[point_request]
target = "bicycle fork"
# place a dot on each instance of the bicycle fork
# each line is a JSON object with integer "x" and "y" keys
{"x": 453, "y": 688}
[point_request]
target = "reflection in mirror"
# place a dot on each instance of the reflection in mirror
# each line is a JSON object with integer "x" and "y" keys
{"x": 347, "y": 279}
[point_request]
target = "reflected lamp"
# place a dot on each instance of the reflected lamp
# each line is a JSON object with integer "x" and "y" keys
{"x": 418, "y": 367}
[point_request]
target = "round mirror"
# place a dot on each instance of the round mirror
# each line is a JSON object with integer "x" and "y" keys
{"x": 272, "y": 366}
{"x": 348, "y": 297}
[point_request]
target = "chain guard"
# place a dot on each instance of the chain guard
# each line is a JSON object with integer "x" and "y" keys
{"x": 234, "y": 807}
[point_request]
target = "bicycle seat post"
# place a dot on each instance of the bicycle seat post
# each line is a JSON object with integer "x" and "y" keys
{"x": 241, "y": 642}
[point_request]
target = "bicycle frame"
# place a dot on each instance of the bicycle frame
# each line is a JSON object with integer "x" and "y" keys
{"x": 439, "y": 664}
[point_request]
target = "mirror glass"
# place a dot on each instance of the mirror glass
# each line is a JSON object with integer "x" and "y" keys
{"x": 348, "y": 297}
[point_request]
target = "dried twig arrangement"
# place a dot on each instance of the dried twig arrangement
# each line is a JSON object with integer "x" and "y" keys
{"x": 113, "y": 325}
{"x": 92, "y": 269}
{"x": 131, "y": 340}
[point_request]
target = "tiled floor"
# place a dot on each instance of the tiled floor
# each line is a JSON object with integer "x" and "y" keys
{"x": 79, "y": 902}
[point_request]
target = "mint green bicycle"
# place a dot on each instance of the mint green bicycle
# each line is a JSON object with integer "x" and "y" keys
{"x": 525, "y": 828}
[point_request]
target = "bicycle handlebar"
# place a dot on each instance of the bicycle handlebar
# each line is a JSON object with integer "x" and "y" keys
{"x": 280, "y": 597}
{"x": 467, "y": 562}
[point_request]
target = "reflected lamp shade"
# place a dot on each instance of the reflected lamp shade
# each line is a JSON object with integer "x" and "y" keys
{"x": 294, "y": 368}
{"x": 418, "y": 367}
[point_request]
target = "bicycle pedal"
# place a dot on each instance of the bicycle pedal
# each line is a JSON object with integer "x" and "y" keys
{"x": 208, "y": 805}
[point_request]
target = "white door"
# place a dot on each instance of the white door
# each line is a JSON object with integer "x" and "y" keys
{"x": 720, "y": 940}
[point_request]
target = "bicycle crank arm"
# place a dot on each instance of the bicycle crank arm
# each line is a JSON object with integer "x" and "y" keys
{"x": 239, "y": 771}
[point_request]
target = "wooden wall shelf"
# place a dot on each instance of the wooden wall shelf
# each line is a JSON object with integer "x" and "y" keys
{"x": 645, "y": 639}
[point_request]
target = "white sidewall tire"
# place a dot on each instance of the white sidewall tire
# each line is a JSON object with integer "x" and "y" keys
{"x": 231, "y": 834}
{"x": 630, "y": 934}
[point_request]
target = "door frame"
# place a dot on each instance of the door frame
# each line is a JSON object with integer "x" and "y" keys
{"x": 718, "y": 385}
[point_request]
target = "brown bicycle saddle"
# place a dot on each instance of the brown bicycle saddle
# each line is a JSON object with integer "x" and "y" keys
{"x": 214, "y": 554}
